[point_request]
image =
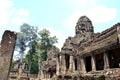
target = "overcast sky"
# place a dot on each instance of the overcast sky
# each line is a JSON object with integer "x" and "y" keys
{"x": 58, "y": 16}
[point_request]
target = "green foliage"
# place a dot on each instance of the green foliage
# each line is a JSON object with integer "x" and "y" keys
{"x": 38, "y": 43}
{"x": 46, "y": 42}
{"x": 12, "y": 64}
{"x": 41, "y": 48}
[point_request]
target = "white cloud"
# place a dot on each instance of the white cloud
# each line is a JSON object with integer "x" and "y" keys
{"x": 9, "y": 15}
{"x": 5, "y": 5}
{"x": 23, "y": 12}
{"x": 101, "y": 14}
{"x": 19, "y": 20}
{"x": 97, "y": 13}
{"x": 21, "y": 16}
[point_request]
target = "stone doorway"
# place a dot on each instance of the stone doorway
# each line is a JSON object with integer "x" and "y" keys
{"x": 99, "y": 61}
{"x": 88, "y": 64}
{"x": 75, "y": 63}
{"x": 114, "y": 58}
{"x": 67, "y": 61}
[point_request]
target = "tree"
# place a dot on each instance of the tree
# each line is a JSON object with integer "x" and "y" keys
{"x": 46, "y": 42}
{"x": 40, "y": 49}
{"x": 38, "y": 43}
{"x": 20, "y": 45}
{"x": 25, "y": 38}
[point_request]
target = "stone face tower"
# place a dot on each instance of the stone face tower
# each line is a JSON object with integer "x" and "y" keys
{"x": 84, "y": 28}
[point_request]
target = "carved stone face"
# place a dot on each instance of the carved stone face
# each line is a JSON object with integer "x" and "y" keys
{"x": 80, "y": 29}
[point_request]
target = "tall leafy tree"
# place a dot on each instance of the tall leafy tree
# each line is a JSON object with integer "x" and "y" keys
{"x": 25, "y": 38}
{"x": 20, "y": 45}
{"x": 40, "y": 49}
{"x": 46, "y": 42}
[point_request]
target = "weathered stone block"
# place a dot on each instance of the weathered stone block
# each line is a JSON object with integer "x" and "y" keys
{"x": 6, "y": 52}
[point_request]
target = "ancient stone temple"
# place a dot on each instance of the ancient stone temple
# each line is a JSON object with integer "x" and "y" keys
{"x": 86, "y": 56}
{"x": 90, "y": 55}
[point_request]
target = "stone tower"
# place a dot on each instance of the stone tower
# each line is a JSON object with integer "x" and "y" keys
{"x": 84, "y": 29}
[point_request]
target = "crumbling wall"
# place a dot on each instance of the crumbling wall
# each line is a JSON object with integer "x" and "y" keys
{"x": 6, "y": 52}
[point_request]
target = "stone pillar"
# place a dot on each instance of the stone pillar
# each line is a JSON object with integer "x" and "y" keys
{"x": 63, "y": 66}
{"x": 6, "y": 52}
{"x": 60, "y": 64}
{"x": 79, "y": 64}
{"x": 93, "y": 63}
{"x": 106, "y": 61}
{"x": 41, "y": 74}
{"x": 83, "y": 64}
{"x": 71, "y": 63}
{"x": 57, "y": 65}
{"x": 45, "y": 74}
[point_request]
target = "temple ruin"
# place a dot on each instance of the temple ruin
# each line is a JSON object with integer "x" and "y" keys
{"x": 86, "y": 56}
{"x": 89, "y": 55}
{"x": 48, "y": 68}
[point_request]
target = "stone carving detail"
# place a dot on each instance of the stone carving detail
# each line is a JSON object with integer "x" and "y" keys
{"x": 84, "y": 29}
{"x": 51, "y": 53}
{"x": 6, "y": 53}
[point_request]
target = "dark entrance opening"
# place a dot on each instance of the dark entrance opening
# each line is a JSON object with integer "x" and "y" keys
{"x": 88, "y": 64}
{"x": 75, "y": 62}
{"x": 67, "y": 60}
{"x": 99, "y": 61}
{"x": 51, "y": 74}
{"x": 67, "y": 78}
{"x": 75, "y": 78}
{"x": 114, "y": 58}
